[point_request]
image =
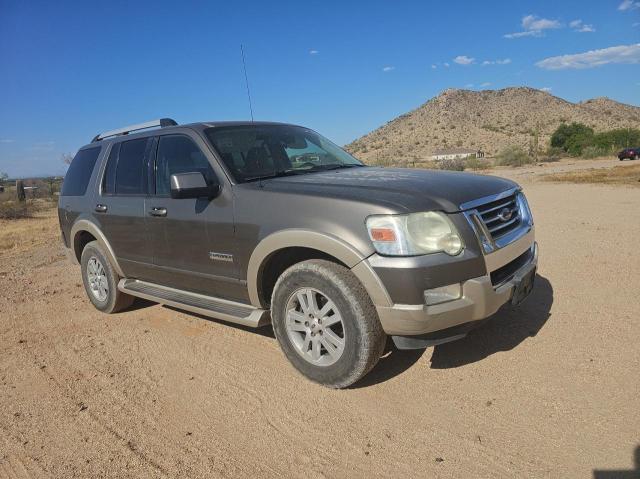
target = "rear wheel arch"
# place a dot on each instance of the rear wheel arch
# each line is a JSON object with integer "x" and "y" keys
{"x": 84, "y": 231}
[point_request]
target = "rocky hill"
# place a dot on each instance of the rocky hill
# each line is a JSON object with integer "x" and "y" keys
{"x": 486, "y": 120}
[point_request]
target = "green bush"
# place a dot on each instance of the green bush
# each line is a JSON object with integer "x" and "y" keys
{"x": 577, "y": 137}
{"x": 572, "y": 138}
{"x": 614, "y": 140}
{"x": 513, "y": 156}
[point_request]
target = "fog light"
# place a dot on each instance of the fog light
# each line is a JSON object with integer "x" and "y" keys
{"x": 442, "y": 294}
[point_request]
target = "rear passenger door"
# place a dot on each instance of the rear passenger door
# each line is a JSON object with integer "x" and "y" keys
{"x": 120, "y": 205}
{"x": 185, "y": 232}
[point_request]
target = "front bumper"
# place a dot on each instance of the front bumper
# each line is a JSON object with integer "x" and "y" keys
{"x": 480, "y": 298}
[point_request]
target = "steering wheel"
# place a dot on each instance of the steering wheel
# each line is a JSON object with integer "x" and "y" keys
{"x": 307, "y": 164}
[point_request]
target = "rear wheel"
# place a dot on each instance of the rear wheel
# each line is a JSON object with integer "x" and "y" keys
{"x": 101, "y": 281}
{"x": 326, "y": 323}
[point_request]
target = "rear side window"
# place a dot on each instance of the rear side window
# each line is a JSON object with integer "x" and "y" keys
{"x": 179, "y": 154}
{"x": 77, "y": 178}
{"x": 131, "y": 172}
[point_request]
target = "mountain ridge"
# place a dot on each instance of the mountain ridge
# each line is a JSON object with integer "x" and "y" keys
{"x": 486, "y": 120}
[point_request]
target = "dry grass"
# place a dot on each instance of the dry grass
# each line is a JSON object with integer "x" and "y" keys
{"x": 24, "y": 233}
{"x": 618, "y": 175}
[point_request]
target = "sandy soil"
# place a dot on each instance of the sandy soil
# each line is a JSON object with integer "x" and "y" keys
{"x": 551, "y": 389}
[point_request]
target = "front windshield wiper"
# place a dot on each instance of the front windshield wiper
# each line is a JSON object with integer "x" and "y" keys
{"x": 295, "y": 171}
{"x": 334, "y": 166}
{"x": 277, "y": 174}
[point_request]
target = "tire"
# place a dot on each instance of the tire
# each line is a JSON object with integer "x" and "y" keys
{"x": 359, "y": 329}
{"x": 104, "y": 295}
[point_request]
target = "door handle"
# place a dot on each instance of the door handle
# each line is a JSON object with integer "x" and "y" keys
{"x": 158, "y": 211}
{"x": 101, "y": 208}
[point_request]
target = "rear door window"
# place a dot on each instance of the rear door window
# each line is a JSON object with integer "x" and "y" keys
{"x": 77, "y": 178}
{"x": 131, "y": 171}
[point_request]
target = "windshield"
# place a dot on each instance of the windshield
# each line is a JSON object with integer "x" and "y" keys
{"x": 262, "y": 151}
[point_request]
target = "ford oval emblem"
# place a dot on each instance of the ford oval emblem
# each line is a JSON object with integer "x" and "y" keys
{"x": 505, "y": 214}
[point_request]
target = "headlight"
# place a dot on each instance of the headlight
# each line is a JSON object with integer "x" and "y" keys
{"x": 414, "y": 234}
{"x": 525, "y": 211}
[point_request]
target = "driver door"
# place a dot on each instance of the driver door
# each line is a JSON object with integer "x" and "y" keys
{"x": 185, "y": 232}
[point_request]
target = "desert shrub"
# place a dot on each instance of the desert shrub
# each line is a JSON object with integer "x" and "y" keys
{"x": 476, "y": 164}
{"x": 456, "y": 164}
{"x": 553, "y": 153}
{"x": 513, "y": 156}
{"x": 593, "y": 152}
{"x": 13, "y": 210}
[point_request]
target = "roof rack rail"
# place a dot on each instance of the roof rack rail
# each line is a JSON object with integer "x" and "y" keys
{"x": 162, "y": 123}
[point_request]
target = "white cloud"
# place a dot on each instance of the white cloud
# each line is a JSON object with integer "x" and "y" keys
{"x": 629, "y": 54}
{"x": 446, "y": 65}
{"x": 532, "y": 23}
{"x": 434, "y": 66}
{"x": 6, "y": 140}
{"x": 635, "y": 24}
{"x": 532, "y": 33}
{"x": 504, "y": 61}
{"x": 546, "y": 88}
{"x": 580, "y": 26}
{"x": 469, "y": 85}
{"x": 628, "y": 5}
{"x": 463, "y": 60}
{"x": 313, "y": 52}
{"x": 485, "y": 84}
{"x": 534, "y": 26}
{"x": 388, "y": 68}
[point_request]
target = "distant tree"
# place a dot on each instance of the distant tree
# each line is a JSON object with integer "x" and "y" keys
{"x": 616, "y": 139}
{"x": 572, "y": 138}
{"x": 66, "y": 158}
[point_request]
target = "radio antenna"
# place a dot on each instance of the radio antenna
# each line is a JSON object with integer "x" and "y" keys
{"x": 246, "y": 79}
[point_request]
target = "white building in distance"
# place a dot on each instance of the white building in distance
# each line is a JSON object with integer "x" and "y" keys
{"x": 456, "y": 154}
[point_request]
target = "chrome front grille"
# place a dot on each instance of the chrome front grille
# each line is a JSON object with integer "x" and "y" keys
{"x": 501, "y": 216}
{"x": 499, "y": 220}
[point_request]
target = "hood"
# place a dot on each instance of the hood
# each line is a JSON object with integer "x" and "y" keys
{"x": 403, "y": 189}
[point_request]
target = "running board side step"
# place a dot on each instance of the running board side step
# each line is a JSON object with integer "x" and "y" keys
{"x": 218, "y": 308}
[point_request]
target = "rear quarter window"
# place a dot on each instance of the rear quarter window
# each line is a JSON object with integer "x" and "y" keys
{"x": 77, "y": 178}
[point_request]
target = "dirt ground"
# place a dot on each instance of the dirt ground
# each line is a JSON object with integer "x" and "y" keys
{"x": 550, "y": 389}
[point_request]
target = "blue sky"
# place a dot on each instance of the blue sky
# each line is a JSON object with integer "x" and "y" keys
{"x": 72, "y": 69}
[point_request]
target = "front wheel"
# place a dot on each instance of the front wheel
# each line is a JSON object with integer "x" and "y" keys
{"x": 326, "y": 323}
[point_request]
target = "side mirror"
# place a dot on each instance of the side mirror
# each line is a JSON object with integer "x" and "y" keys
{"x": 193, "y": 185}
